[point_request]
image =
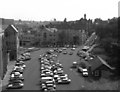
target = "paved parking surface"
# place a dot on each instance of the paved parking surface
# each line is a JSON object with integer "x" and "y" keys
{"x": 32, "y": 74}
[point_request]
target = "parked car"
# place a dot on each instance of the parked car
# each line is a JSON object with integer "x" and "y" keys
{"x": 63, "y": 81}
{"x": 65, "y": 52}
{"x": 46, "y": 75}
{"x": 20, "y": 65}
{"x": 48, "y": 87}
{"x": 56, "y": 76}
{"x": 84, "y": 71}
{"x": 20, "y": 62}
{"x": 15, "y": 81}
{"x": 58, "y": 71}
{"x": 27, "y": 57}
{"x": 15, "y": 85}
{"x": 89, "y": 58}
{"x": 73, "y": 49}
{"x": 21, "y": 58}
{"x": 70, "y": 53}
{"x": 74, "y": 64}
{"x": 85, "y": 48}
{"x": 64, "y": 48}
{"x": 16, "y": 75}
{"x": 44, "y": 79}
{"x": 18, "y": 69}
{"x": 16, "y": 78}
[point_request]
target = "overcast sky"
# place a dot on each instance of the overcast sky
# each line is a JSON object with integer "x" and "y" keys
{"x": 42, "y": 10}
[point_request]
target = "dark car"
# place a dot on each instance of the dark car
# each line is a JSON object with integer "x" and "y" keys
{"x": 65, "y": 52}
{"x": 70, "y": 53}
{"x": 16, "y": 78}
{"x": 15, "y": 85}
{"x": 15, "y": 81}
{"x": 18, "y": 70}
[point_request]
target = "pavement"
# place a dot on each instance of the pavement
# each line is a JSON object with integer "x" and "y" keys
{"x": 32, "y": 74}
{"x": 5, "y": 80}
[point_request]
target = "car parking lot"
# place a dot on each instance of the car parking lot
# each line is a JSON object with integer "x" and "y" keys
{"x": 33, "y": 71}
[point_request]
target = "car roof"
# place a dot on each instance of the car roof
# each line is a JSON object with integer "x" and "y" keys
{"x": 47, "y": 78}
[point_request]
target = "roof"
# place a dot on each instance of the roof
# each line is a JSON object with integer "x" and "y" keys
{"x": 97, "y": 62}
{"x": 105, "y": 63}
{"x": 14, "y": 28}
{"x": 85, "y": 62}
{"x": 11, "y": 26}
{"x": 52, "y": 29}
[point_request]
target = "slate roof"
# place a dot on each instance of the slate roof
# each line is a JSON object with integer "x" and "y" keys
{"x": 97, "y": 62}
{"x": 13, "y": 27}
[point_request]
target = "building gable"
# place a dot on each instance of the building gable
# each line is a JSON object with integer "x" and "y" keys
{"x": 11, "y": 28}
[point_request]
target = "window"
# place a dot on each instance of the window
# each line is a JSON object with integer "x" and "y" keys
{"x": 97, "y": 73}
{"x": 6, "y": 34}
{"x": 45, "y": 35}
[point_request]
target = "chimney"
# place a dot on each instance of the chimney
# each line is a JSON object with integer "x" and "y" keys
{"x": 84, "y": 16}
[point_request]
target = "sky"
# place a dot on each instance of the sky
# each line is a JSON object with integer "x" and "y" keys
{"x": 47, "y": 10}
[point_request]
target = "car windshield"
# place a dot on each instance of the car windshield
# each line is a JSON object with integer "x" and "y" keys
{"x": 49, "y": 85}
{"x": 16, "y": 81}
{"x": 16, "y": 84}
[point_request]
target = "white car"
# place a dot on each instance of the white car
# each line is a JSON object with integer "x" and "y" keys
{"x": 64, "y": 81}
{"x": 73, "y": 49}
{"x": 56, "y": 76}
{"x": 50, "y": 82}
{"x": 75, "y": 64}
{"x": 44, "y": 79}
{"x": 48, "y": 87}
{"x": 16, "y": 74}
{"x": 20, "y": 65}
{"x": 85, "y": 72}
{"x": 51, "y": 50}
{"x": 58, "y": 71}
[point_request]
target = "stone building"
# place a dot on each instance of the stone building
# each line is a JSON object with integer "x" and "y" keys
{"x": 11, "y": 41}
{"x": 3, "y": 47}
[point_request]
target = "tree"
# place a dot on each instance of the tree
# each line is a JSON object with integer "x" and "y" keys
{"x": 62, "y": 37}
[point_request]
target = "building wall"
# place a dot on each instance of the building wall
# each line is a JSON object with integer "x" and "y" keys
{"x": 3, "y": 47}
{"x": 26, "y": 39}
{"x": 11, "y": 40}
{"x": 52, "y": 36}
{"x": 1, "y": 59}
{"x": 46, "y": 35}
{"x": 3, "y": 56}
